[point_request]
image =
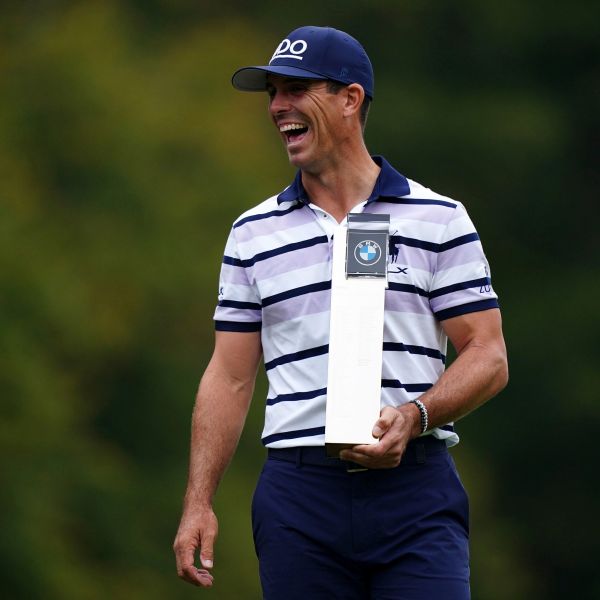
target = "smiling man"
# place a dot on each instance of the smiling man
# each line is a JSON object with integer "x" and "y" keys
{"x": 387, "y": 519}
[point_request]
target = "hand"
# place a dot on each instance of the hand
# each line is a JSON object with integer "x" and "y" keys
{"x": 394, "y": 428}
{"x": 197, "y": 530}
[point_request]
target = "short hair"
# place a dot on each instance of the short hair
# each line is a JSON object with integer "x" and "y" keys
{"x": 333, "y": 87}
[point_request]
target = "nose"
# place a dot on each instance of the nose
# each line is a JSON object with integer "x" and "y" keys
{"x": 278, "y": 102}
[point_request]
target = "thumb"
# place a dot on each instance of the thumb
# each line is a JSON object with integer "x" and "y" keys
{"x": 206, "y": 551}
{"x": 383, "y": 423}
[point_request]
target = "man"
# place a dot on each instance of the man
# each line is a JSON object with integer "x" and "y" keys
{"x": 388, "y": 519}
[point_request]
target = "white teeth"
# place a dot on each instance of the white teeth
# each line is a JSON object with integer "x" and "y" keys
{"x": 291, "y": 126}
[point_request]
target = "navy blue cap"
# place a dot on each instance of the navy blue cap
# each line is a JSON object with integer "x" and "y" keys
{"x": 312, "y": 53}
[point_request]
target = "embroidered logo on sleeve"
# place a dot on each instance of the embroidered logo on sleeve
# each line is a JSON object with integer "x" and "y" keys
{"x": 486, "y": 288}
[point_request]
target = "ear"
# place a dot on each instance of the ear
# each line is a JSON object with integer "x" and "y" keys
{"x": 355, "y": 95}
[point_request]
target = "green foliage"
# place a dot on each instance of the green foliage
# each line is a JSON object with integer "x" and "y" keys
{"x": 124, "y": 157}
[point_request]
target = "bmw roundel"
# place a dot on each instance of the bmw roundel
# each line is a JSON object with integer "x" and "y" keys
{"x": 367, "y": 252}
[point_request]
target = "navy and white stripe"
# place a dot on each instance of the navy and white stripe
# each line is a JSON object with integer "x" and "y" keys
{"x": 276, "y": 278}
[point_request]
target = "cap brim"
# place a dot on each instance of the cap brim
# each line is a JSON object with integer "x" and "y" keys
{"x": 254, "y": 79}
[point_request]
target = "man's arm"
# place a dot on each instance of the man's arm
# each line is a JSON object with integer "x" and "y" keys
{"x": 219, "y": 414}
{"x": 479, "y": 372}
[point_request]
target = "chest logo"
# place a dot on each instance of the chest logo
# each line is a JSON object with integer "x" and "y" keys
{"x": 367, "y": 252}
{"x": 401, "y": 270}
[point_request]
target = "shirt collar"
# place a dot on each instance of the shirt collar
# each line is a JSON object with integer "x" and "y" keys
{"x": 390, "y": 184}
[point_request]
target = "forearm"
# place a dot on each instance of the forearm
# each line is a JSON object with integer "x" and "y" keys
{"x": 219, "y": 414}
{"x": 479, "y": 372}
{"x": 221, "y": 407}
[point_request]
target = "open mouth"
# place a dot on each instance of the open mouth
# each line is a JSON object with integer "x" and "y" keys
{"x": 293, "y": 132}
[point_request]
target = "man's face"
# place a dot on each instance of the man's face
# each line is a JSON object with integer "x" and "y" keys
{"x": 309, "y": 119}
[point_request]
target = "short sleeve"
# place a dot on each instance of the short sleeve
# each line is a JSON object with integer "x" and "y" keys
{"x": 239, "y": 307}
{"x": 462, "y": 279}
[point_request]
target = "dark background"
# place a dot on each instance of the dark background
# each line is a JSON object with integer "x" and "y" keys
{"x": 124, "y": 157}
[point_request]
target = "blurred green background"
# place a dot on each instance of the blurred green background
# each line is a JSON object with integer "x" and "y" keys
{"x": 124, "y": 157}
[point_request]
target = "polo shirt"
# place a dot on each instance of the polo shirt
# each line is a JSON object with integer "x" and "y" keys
{"x": 276, "y": 279}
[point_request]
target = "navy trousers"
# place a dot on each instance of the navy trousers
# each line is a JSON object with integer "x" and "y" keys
{"x": 323, "y": 530}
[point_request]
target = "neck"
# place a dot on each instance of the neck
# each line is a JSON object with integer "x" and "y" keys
{"x": 343, "y": 183}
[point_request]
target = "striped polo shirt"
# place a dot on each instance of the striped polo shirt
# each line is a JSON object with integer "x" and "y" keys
{"x": 276, "y": 279}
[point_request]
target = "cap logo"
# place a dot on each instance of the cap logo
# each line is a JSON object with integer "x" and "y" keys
{"x": 293, "y": 49}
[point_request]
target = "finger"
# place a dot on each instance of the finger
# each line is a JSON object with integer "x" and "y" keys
{"x": 206, "y": 550}
{"x": 351, "y": 456}
{"x": 185, "y": 566}
{"x": 184, "y": 556}
{"x": 359, "y": 454}
{"x": 370, "y": 462}
{"x": 376, "y": 449}
{"x": 199, "y": 577}
{"x": 206, "y": 579}
{"x": 370, "y": 455}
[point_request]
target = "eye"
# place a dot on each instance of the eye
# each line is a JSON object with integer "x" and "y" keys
{"x": 298, "y": 88}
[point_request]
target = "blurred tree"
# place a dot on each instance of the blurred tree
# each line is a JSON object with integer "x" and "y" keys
{"x": 124, "y": 157}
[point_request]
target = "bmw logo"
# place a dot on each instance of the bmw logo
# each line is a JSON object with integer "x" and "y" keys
{"x": 367, "y": 252}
